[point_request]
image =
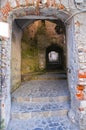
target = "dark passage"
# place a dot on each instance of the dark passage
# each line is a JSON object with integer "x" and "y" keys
{"x": 54, "y": 58}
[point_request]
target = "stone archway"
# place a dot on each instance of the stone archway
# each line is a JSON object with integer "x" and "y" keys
{"x": 54, "y": 57}
{"x": 72, "y": 80}
{"x": 30, "y": 16}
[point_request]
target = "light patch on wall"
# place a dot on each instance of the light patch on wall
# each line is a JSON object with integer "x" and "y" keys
{"x": 83, "y": 104}
{"x": 53, "y": 56}
{"x": 4, "y": 29}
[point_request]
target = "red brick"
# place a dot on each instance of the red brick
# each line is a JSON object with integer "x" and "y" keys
{"x": 5, "y": 10}
{"x": 80, "y": 95}
{"x": 80, "y": 87}
{"x": 17, "y": 2}
{"x": 61, "y": 6}
{"x": 82, "y": 75}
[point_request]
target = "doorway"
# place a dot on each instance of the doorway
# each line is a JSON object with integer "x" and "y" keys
{"x": 71, "y": 59}
{"x": 54, "y": 57}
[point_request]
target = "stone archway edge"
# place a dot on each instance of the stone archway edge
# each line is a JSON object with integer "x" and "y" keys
{"x": 16, "y": 4}
{"x": 7, "y": 8}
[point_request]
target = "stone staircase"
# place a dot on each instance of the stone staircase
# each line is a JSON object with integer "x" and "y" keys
{"x": 41, "y": 104}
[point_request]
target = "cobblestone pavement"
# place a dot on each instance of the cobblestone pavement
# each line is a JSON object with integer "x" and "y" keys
{"x": 47, "y": 86}
{"x": 53, "y": 123}
{"x": 38, "y": 107}
{"x": 42, "y": 104}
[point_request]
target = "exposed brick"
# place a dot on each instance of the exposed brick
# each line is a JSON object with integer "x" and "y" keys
{"x": 80, "y": 95}
{"x": 5, "y": 10}
{"x": 82, "y": 75}
{"x": 17, "y": 2}
{"x": 61, "y": 6}
{"x": 80, "y": 87}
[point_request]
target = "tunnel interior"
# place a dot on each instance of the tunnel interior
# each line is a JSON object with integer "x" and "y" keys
{"x": 40, "y": 48}
{"x": 54, "y": 58}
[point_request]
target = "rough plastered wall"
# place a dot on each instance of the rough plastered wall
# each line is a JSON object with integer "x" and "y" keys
{"x": 5, "y": 75}
{"x": 80, "y": 37}
{"x": 5, "y": 97}
{"x": 16, "y": 57}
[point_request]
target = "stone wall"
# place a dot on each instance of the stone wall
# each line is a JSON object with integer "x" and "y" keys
{"x": 16, "y": 58}
{"x": 72, "y": 70}
{"x": 5, "y": 65}
{"x": 80, "y": 37}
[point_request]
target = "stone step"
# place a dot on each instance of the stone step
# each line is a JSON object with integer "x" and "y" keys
{"x": 27, "y": 99}
{"x": 51, "y": 76}
{"x": 30, "y": 115}
{"x": 39, "y": 89}
{"x": 50, "y": 123}
{"x": 45, "y": 76}
{"x": 27, "y": 111}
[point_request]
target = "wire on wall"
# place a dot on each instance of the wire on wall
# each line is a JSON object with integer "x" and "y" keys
{"x": 82, "y": 11}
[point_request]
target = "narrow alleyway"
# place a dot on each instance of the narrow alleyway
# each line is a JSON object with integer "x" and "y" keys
{"x": 42, "y": 104}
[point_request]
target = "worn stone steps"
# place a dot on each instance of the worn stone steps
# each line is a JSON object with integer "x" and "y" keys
{"x": 39, "y": 88}
{"x": 41, "y": 104}
{"x": 41, "y": 99}
{"x": 45, "y": 76}
{"x": 30, "y": 115}
{"x": 30, "y": 110}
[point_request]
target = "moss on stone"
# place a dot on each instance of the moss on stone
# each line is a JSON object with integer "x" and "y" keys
{"x": 29, "y": 55}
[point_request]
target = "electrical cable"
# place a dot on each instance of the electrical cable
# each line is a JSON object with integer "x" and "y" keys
{"x": 82, "y": 11}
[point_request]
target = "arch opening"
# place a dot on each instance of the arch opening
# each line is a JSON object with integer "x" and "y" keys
{"x": 38, "y": 40}
{"x": 54, "y": 58}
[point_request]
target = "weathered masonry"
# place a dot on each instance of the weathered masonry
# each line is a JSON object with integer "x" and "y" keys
{"x": 21, "y": 13}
